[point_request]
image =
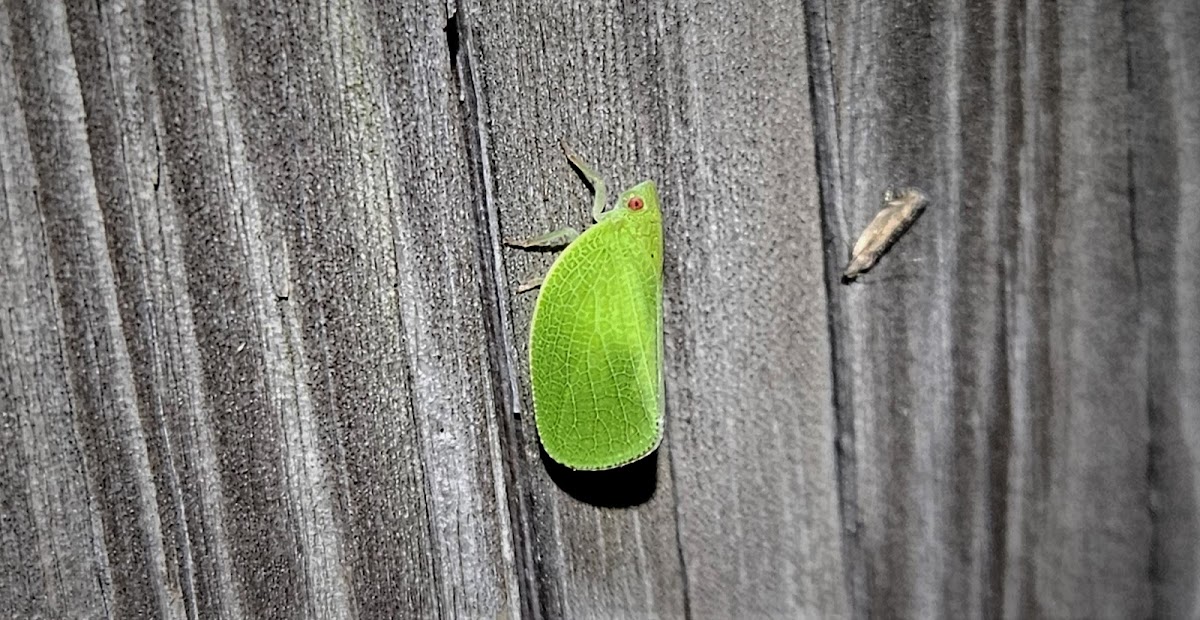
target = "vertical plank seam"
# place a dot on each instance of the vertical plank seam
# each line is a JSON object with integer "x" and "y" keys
{"x": 823, "y": 95}
{"x": 683, "y": 573}
{"x": 1158, "y": 606}
{"x": 502, "y": 365}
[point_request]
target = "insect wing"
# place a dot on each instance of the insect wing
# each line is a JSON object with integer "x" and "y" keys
{"x": 595, "y": 351}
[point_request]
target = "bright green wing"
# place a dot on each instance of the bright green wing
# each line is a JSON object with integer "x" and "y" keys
{"x": 596, "y": 341}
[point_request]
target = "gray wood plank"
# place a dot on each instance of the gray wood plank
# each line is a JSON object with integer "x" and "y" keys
{"x": 285, "y": 398}
{"x": 260, "y": 354}
{"x": 52, "y": 548}
{"x": 993, "y": 394}
{"x": 126, "y": 538}
{"x": 599, "y": 545}
{"x": 1164, "y": 85}
{"x": 749, "y": 417}
{"x": 750, "y": 384}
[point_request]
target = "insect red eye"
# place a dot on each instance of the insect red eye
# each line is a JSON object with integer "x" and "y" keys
{"x": 636, "y": 203}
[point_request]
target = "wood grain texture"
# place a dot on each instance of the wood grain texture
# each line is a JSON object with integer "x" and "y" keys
{"x": 648, "y": 94}
{"x": 278, "y": 378}
{"x": 260, "y": 355}
{"x": 992, "y": 392}
{"x": 598, "y": 544}
{"x": 1164, "y": 71}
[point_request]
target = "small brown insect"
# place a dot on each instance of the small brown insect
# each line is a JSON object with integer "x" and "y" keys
{"x": 900, "y": 209}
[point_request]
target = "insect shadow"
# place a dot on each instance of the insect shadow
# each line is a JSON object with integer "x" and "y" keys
{"x": 886, "y": 277}
{"x": 623, "y": 487}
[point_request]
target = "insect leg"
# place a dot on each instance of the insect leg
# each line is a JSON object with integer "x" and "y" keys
{"x": 530, "y": 284}
{"x": 593, "y": 179}
{"x": 557, "y": 239}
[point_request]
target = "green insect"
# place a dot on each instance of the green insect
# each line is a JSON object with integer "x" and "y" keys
{"x": 595, "y": 344}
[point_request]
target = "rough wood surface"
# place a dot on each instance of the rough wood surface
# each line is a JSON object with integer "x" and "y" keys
{"x": 993, "y": 392}
{"x": 260, "y": 354}
{"x": 1164, "y": 71}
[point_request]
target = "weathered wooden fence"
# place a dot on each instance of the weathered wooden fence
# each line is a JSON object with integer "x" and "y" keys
{"x": 259, "y": 354}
